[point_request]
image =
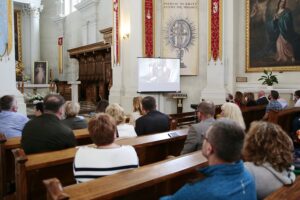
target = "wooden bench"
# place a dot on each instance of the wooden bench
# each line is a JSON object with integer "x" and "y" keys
{"x": 7, "y": 172}
{"x": 290, "y": 192}
{"x": 148, "y": 182}
{"x": 253, "y": 113}
{"x": 284, "y": 118}
{"x": 32, "y": 169}
{"x": 184, "y": 119}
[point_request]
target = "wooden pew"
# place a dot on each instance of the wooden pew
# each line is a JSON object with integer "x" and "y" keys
{"x": 184, "y": 119}
{"x": 253, "y": 113}
{"x": 284, "y": 118}
{"x": 7, "y": 172}
{"x": 290, "y": 192}
{"x": 148, "y": 182}
{"x": 32, "y": 169}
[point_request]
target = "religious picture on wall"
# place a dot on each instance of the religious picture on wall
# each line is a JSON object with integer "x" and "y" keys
{"x": 180, "y": 19}
{"x": 273, "y": 35}
{"x": 40, "y": 72}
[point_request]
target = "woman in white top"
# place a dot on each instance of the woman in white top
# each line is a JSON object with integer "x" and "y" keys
{"x": 232, "y": 111}
{"x": 106, "y": 157}
{"x": 137, "y": 110}
{"x": 268, "y": 155}
{"x": 117, "y": 112}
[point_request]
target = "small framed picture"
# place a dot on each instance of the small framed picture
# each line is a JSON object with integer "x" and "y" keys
{"x": 40, "y": 72}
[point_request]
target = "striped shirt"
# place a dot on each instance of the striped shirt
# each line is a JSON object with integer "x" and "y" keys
{"x": 91, "y": 162}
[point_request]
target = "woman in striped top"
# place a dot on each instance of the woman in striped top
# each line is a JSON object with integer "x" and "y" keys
{"x": 106, "y": 157}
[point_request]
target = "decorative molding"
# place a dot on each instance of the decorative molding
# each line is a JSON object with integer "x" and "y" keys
{"x": 86, "y": 4}
{"x": 107, "y": 35}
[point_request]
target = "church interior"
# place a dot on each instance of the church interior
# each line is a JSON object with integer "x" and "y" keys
{"x": 181, "y": 53}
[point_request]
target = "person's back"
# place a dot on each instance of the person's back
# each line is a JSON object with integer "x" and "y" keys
{"x": 270, "y": 169}
{"x": 11, "y": 122}
{"x": 196, "y": 133}
{"x": 106, "y": 157}
{"x": 46, "y": 132}
{"x": 225, "y": 177}
{"x": 262, "y": 99}
{"x": 72, "y": 120}
{"x": 153, "y": 121}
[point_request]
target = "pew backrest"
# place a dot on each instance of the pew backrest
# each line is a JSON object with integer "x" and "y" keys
{"x": 253, "y": 113}
{"x": 184, "y": 119}
{"x": 160, "y": 178}
{"x": 32, "y": 169}
{"x": 289, "y": 192}
{"x": 284, "y": 118}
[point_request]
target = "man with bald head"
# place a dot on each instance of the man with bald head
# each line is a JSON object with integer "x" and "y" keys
{"x": 47, "y": 132}
{"x": 262, "y": 99}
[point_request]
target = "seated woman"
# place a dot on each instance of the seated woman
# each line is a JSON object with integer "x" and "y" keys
{"x": 123, "y": 129}
{"x": 72, "y": 119}
{"x": 101, "y": 106}
{"x": 106, "y": 157}
{"x": 137, "y": 110}
{"x": 239, "y": 99}
{"x": 233, "y": 112}
{"x": 249, "y": 99}
{"x": 268, "y": 155}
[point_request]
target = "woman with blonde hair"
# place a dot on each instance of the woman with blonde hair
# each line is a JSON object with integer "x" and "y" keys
{"x": 137, "y": 109}
{"x": 233, "y": 112}
{"x": 123, "y": 129}
{"x": 268, "y": 155}
{"x": 72, "y": 119}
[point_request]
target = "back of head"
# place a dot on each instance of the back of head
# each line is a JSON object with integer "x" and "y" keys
{"x": 7, "y": 102}
{"x": 102, "y": 129}
{"x": 267, "y": 142}
{"x": 297, "y": 94}
{"x": 117, "y": 112}
{"x": 71, "y": 109}
{"x": 274, "y": 94}
{"x": 206, "y": 108}
{"x": 53, "y": 102}
{"x": 261, "y": 93}
{"x": 250, "y": 96}
{"x": 102, "y": 105}
{"x": 137, "y": 104}
{"x": 238, "y": 96}
{"x": 226, "y": 138}
{"x": 233, "y": 112}
{"x": 149, "y": 103}
{"x": 39, "y": 107}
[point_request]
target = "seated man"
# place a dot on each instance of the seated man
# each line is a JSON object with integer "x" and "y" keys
{"x": 47, "y": 132}
{"x": 273, "y": 104}
{"x": 11, "y": 122}
{"x": 196, "y": 133}
{"x": 153, "y": 121}
{"x": 225, "y": 177}
{"x": 262, "y": 99}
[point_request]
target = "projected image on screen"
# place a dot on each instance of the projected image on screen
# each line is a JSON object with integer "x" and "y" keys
{"x": 158, "y": 75}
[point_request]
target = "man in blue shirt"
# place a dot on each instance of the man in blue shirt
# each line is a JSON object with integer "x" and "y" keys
{"x": 273, "y": 104}
{"x": 225, "y": 177}
{"x": 11, "y": 122}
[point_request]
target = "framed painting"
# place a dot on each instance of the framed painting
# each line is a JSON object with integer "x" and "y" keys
{"x": 40, "y": 72}
{"x": 272, "y": 35}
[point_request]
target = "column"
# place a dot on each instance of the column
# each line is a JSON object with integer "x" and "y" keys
{"x": 215, "y": 85}
{"x": 74, "y": 89}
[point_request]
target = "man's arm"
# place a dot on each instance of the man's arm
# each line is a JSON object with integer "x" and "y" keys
{"x": 191, "y": 142}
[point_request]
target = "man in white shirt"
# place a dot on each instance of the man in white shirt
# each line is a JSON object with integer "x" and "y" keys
{"x": 297, "y": 98}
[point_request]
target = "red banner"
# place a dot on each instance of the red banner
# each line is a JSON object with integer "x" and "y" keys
{"x": 215, "y": 28}
{"x": 148, "y": 28}
{"x": 116, "y": 31}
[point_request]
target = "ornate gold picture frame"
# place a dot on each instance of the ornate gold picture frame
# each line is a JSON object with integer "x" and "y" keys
{"x": 272, "y": 35}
